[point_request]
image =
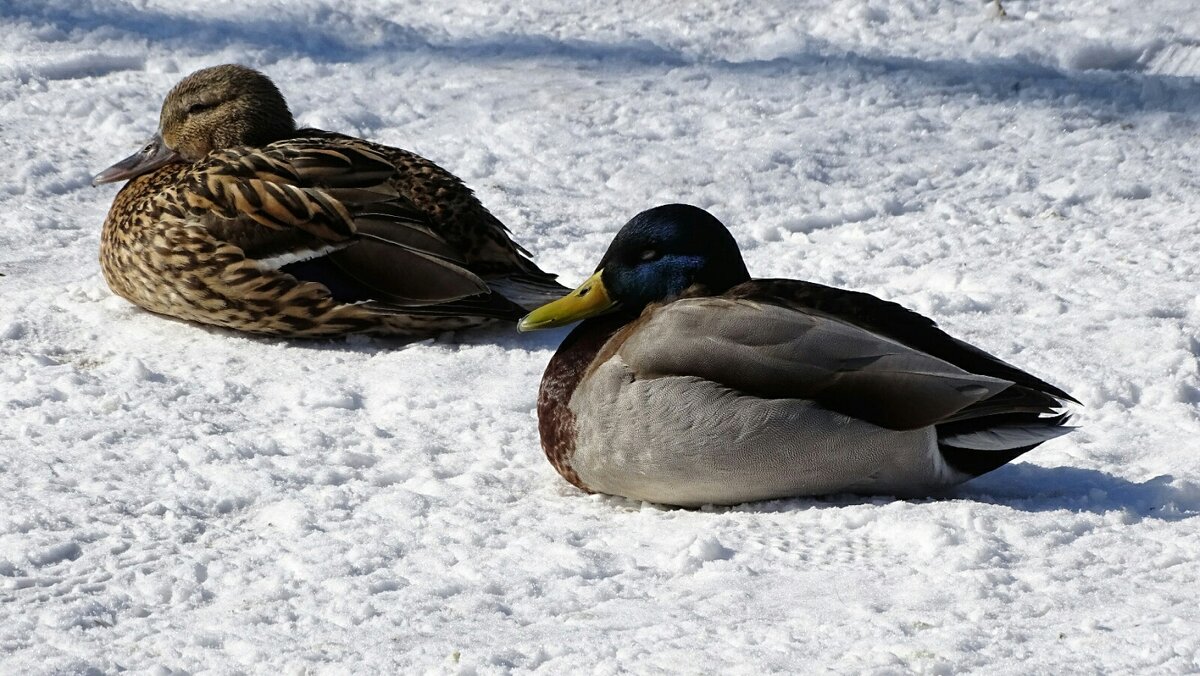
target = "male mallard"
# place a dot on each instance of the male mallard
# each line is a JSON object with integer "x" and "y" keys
{"x": 234, "y": 217}
{"x": 693, "y": 384}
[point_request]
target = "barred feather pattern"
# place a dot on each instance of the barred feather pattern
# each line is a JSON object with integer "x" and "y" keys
{"x": 180, "y": 241}
{"x": 451, "y": 207}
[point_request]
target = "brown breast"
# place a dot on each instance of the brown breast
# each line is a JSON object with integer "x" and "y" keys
{"x": 556, "y": 422}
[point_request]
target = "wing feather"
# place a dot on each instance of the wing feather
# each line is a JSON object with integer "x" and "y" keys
{"x": 767, "y": 350}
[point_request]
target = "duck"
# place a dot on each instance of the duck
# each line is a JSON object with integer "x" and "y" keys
{"x": 689, "y": 383}
{"x": 233, "y": 217}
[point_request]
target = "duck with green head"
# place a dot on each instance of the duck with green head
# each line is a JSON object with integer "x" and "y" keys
{"x": 234, "y": 217}
{"x": 690, "y": 383}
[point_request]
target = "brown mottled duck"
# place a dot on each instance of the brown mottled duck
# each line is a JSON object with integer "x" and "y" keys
{"x": 233, "y": 217}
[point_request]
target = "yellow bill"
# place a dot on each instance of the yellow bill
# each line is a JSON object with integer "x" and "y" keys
{"x": 589, "y": 300}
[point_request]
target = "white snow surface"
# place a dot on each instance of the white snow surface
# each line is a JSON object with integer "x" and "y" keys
{"x": 184, "y": 500}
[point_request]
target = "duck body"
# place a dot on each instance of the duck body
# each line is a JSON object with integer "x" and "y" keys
{"x": 776, "y": 388}
{"x": 303, "y": 233}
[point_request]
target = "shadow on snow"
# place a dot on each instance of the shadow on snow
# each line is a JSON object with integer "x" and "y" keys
{"x": 333, "y": 37}
{"x": 1032, "y": 488}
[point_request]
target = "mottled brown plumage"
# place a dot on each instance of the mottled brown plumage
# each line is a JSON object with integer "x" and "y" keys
{"x": 235, "y": 218}
{"x": 571, "y": 362}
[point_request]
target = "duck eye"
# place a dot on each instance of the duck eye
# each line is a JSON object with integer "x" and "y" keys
{"x": 199, "y": 107}
{"x": 650, "y": 254}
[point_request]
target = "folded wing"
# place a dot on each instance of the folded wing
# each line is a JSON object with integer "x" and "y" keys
{"x": 769, "y": 350}
{"x": 326, "y": 213}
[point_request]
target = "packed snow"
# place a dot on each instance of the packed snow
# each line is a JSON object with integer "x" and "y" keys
{"x": 185, "y": 500}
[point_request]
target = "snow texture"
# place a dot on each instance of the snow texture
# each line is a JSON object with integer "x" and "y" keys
{"x": 185, "y": 500}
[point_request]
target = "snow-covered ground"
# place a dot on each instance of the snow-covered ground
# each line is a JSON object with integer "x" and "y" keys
{"x": 175, "y": 499}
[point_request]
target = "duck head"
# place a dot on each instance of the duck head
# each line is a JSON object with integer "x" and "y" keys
{"x": 657, "y": 255}
{"x": 213, "y": 108}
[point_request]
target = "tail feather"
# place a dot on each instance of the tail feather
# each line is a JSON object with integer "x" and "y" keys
{"x": 1007, "y": 437}
{"x": 528, "y": 291}
{"x": 981, "y": 444}
{"x": 491, "y": 305}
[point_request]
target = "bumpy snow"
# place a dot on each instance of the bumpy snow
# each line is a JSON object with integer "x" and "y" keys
{"x": 184, "y": 500}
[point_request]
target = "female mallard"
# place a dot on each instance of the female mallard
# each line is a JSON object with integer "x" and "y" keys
{"x": 695, "y": 384}
{"x": 236, "y": 218}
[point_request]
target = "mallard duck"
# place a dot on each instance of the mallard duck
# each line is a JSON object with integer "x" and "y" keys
{"x": 234, "y": 217}
{"x": 690, "y": 383}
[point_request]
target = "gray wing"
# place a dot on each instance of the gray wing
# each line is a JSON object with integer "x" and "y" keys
{"x": 766, "y": 350}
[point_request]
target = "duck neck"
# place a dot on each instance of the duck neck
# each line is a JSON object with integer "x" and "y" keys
{"x": 556, "y": 422}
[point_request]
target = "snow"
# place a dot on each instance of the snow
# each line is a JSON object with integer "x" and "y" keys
{"x": 185, "y": 500}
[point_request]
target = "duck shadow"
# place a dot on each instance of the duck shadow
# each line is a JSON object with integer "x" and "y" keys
{"x": 1032, "y": 488}
{"x": 504, "y": 336}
